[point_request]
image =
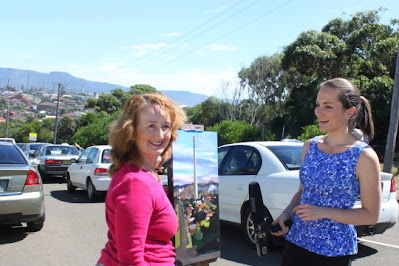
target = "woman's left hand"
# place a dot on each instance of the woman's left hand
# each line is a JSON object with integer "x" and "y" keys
{"x": 309, "y": 212}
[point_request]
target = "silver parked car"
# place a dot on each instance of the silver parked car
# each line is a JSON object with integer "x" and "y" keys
{"x": 90, "y": 171}
{"x": 30, "y": 148}
{"x": 21, "y": 189}
{"x": 54, "y": 160}
{"x": 275, "y": 166}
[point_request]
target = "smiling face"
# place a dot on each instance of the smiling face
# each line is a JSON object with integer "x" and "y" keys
{"x": 152, "y": 132}
{"x": 330, "y": 112}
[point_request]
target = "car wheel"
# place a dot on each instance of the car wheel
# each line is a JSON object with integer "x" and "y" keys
{"x": 91, "y": 190}
{"x": 70, "y": 187}
{"x": 248, "y": 228}
{"x": 35, "y": 226}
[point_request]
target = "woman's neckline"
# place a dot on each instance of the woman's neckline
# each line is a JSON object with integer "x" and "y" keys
{"x": 334, "y": 153}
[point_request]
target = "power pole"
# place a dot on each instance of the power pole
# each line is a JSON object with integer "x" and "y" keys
{"x": 8, "y": 110}
{"x": 27, "y": 84}
{"x": 56, "y": 114}
{"x": 393, "y": 122}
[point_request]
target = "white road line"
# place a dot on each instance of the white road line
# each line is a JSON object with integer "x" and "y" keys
{"x": 379, "y": 243}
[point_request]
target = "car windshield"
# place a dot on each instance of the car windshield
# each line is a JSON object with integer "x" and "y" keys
{"x": 290, "y": 156}
{"x": 9, "y": 154}
{"x": 61, "y": 150}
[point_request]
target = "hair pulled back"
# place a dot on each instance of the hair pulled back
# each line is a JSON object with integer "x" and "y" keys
{"x": 349, "y": 95}
{"x": 122, "y": 132}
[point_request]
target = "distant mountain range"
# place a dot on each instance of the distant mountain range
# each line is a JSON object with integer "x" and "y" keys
{"x": 22, "y": 79}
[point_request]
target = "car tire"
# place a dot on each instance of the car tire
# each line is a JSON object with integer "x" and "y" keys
{"x": 248, "y": 228}
{"x": 91, "y": 190}
{"x": 70, "y": 187}
{"x": 35, "y": 226}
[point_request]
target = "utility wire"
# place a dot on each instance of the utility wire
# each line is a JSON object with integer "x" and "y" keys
{"x": 161, "y": 52}
{"x": 242, "y": 26}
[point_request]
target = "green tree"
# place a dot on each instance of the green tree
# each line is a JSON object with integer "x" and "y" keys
{"x": 207, "y": 113}
{"x": 66, "y": 128}
{"x": 359, "y": 49}
{"x": 231, "y": 132}
{"x": 108, "y": 103}
{"x": 87, "y": 119}
{"x": 142, "y": 89}
{"x": 33, "y": 127}
{"x": 262, "y": 82}
{"x": 310, "y": 131}
{"x": 122, "y": 95}
{"x": 93, "y": 134}
{"x": 91, "y": 103}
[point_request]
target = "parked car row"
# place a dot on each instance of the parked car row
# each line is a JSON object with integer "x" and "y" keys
{"x": 273, "y": 164}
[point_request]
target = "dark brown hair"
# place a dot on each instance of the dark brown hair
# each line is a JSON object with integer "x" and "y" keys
{"x": 349, "y": 95}
{"x": 122, "y": 131}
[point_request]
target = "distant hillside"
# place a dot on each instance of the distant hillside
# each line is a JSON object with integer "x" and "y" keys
{"x": 21, "y": 79}
{"x": 185, "y": 97}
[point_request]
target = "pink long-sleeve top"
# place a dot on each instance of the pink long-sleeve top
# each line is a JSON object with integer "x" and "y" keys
{"x": 141, "y": 221}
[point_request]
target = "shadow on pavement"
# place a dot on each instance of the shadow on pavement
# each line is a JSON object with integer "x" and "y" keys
{"x": 78, "y": 196}
{"x": 234, "y": 248}
{"x": 364, "y": 251}
{"x": 12, "y": 234}
{"x": 236, "y": 251}
{"x": 54, "y": 180}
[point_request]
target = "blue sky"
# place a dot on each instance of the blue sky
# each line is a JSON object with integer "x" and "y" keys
{"x": 206, "y": 157}
{"x": 196, "y": 46}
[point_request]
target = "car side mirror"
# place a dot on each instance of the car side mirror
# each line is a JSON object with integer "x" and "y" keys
{"x": 73, "y": 160}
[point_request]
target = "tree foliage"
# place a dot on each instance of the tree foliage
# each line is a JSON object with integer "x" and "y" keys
{"x": 66, "y": 129}
{"x": 261, "y": 81}
{"x": 142, "y": 89}
{"x": 230, "y": 132}
{"x": 108, "y": 103}
{"x": 359, "y": 49}
{"x": 121, "y": 95}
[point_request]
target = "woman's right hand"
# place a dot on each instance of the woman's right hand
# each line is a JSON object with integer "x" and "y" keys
{"x": 284, "y": 216}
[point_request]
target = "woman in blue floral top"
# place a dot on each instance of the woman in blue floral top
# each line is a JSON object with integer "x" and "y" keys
{"x": 337, "y": 168}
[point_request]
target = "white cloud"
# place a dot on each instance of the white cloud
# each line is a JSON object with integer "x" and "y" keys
{"x": 148, "y": 46}
{"x": 171, "y": 34}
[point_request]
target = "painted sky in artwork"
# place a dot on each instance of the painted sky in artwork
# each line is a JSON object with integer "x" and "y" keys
{"x": 206, "y": 157}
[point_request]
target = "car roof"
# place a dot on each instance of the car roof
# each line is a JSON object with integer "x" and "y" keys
{"x": 265, "y": 143}
{"x": 101, "y": 146}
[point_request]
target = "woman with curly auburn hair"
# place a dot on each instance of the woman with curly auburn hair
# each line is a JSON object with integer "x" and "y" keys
{"x": 139, "y": 215}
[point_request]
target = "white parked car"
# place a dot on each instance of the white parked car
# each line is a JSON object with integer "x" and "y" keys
{"x": 90, "y": 171}
{"x": 275, "y": 166}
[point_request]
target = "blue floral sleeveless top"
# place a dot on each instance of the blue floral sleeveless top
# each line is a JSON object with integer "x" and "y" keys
{"x": 328, "y": 180}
